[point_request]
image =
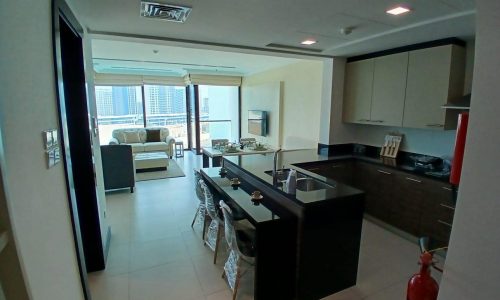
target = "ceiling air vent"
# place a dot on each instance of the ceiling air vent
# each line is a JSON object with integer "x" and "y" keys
{"x": 287, "y": 47}
{"x": 167, "y": 12}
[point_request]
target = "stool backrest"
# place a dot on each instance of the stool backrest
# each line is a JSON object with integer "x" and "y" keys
{"x": 209, "y": 201}
{"x": 197, "y": 185}
{"x": 228, "y": 226}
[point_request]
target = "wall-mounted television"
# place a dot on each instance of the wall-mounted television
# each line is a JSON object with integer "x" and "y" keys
{"x": 257, "y": 122}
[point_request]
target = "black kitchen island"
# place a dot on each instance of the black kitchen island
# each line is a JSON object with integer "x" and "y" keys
{"x": 308, "y": 242}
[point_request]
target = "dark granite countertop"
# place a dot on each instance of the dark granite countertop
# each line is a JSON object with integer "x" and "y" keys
{"x": 257, "y": 165}
{"x": 256, "y": 213}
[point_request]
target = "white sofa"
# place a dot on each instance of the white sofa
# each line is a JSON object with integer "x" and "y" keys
{"x": 166, "y": 143}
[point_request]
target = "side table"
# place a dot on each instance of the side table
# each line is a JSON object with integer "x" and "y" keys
{"x": 179, "y": 149}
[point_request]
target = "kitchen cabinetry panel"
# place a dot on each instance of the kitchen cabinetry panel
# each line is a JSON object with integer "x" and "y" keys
{"x": 377, "y": 184}
{"x": 341, "y": 171}
{"x": 406, "y": 89}
{"x": 414, "y": 204}
{"x": 437, "y": 218}
{"x": 435, "y": 77}
{"x": 408, "y": 205}
{"x": 358, "y": 91}
{"x": 389, "y": 87}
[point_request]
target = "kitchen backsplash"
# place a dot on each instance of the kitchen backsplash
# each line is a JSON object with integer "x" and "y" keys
{"x": 422, "y": 141}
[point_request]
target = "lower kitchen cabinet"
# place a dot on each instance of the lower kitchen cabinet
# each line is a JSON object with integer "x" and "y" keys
{"x": 377, "y": 184}
{"x": 415, "y": 204}
{"x": 408, "y": 203}
{"x": 437, "y": 218}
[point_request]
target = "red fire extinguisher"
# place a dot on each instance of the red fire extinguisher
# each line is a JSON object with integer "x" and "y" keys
{"x": 422, "y": 286}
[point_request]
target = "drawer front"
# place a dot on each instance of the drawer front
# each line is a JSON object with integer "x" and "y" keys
{"x": 438, "y": 212}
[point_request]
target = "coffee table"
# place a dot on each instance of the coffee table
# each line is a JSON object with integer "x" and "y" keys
{"x": 150, "y": 161}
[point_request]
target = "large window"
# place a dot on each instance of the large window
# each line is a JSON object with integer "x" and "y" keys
{"x": 219, "y": 113}
{"x": 124, "y": 107}
{"x": 118, "y": 107}
{"x": 216, "y": 114}
{"x": 166, "y": 107}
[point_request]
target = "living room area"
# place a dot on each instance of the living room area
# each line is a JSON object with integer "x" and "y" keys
{"x": 157, "y": 107}
{"x": 162, "y": 100}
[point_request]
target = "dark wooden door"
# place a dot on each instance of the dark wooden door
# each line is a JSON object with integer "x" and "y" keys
{"x": 378, "y": 183}
{"x": 76, "y": 140}
{"x": 437, "y": 214}
{"x": 409, "y": 192}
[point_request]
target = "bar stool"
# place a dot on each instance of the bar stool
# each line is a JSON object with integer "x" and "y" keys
{"x": 242, "y": 251}
{"x": 201, "y": 210}
{"x": 214, "y": 231}
{"x": 179, "y": 149}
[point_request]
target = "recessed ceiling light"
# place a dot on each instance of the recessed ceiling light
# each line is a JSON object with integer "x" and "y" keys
{"x": 308, "y": 42}
{"x": 398, "y": 10}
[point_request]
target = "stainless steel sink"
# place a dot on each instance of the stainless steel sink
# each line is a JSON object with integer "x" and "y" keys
{"x": 304, "y": 182}
{"x": 282, "y": 174}
{"x": 311, "y": 184}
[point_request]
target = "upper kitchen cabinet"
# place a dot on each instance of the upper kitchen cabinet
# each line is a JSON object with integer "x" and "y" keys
{"x": 358, "y": 91}
{"x": 435, "y": 78}
{"x": 389, "y": 86}
{"x": 406, "y": 89}
{"x": 375, "y": 90}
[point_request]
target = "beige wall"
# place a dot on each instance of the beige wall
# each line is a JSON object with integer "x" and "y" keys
{"x": 12, "y": 284}
{"x": 266, "y": 97}
{"x": 301, "y": 104}
{"x": 37, "y": 198}
{"x": 473, "y": 260}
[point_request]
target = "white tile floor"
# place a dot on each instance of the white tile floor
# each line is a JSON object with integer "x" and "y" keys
{"x": 155, "y": 254}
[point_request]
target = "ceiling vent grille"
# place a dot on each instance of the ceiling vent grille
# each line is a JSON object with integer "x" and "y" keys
{"x": 287, "y": 47}
{"x": 167, "y": 12}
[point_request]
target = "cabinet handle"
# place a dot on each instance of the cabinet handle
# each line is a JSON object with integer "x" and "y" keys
{"x": 446, "y": 188}
{"x": 384, "y": 172}
{"x": 377, "y": 121}
{"x": 444, "y": 223}
{"x": 447, "y": 206}
{"x": 434, "y": 125}
{"x": 363, "y": 120}
{"x": 337, "y": 166}
{"x": 414, "y": 180}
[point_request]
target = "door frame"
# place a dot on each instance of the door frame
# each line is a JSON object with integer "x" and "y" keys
{"x": 61, "y": 11}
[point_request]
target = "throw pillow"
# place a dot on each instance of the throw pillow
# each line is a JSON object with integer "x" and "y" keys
{"x": 153, "y": 135}
{"x": 132, "y": 137}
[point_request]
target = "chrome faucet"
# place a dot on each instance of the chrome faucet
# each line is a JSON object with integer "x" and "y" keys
{"x": 275, "y": 162}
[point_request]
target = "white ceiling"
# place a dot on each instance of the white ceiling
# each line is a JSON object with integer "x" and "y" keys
{"x": 256, "y": 23}
{"x": 138, "y": 57}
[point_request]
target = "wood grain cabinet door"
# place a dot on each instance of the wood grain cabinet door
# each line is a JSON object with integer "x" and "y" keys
{"x": 438, "y": 212}
{"x": 408, "y": 203}
{"x": 389, "y": 86}
{"x": 358, "y": 91}
{"x": 435, "y": 77}
{"x": 377, "y": 182}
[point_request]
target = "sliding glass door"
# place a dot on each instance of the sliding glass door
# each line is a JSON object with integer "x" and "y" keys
{"x": 218, "y": 113}
{"x": 208, "y": 112}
